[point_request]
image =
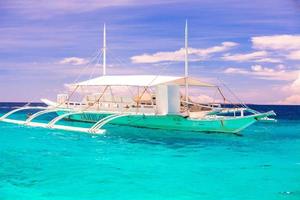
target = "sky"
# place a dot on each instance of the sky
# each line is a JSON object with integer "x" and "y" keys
{"x": 251, "y": 47}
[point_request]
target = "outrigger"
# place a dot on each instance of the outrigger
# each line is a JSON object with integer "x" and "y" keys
{"x": 160, "y": 104}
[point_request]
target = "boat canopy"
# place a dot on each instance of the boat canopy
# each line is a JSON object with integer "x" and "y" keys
{"x": 141, "y": 80}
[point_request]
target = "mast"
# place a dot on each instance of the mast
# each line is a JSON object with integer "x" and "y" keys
{"x": 104, "y": 50}
{"x": 186, "y": 66}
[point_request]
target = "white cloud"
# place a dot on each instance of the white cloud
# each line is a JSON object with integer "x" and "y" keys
{"x": 268, "y": 60}
{"x": 259, "y": 68}
{"x": 293, "y": 99}
{"x": 245, "y": 57}
{"x": 281, "y": 66}
{"x": 294, "y": 55}
{"x": 276, "y": 42}
{"x": 284, "y": 47}
{"x": 257, "y": 56}
{"x": 225, "y": 46}
{"x": 73, "y": 61}
{"x": 234, "y": 70}
{"x": 159, "y": 57}
{"x": 258, "y": 71}
{"x": 194, "y": 54}
{"x": 293, "y": 91}
{"x": 295, "y": 86}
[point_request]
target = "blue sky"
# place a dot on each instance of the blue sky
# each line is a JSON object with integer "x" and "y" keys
{"x": 252, "y": 46}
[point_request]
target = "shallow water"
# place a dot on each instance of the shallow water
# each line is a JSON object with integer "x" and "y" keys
{"x": 133, "y": 163}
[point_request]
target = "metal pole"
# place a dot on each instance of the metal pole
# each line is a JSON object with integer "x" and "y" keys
{"x": 186, "y": 66}
{"x": 104, "y": 50}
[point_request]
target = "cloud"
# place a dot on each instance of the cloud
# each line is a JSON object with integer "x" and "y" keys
{"x": 259, "y": 68}
{"x": 245, "y": 57}
{"x": 293, "y": 99}
{"x": 276, "y": 42}
{"x": 284, "y": 47}
{"x": 234, "y": 70}
{"x": 258, "y": 56}
{"x": 258, "y": 71}
{"x": 294, "y": 55}
{"x": 194, "y": 54}
{"x": 295, "y": 86}
{"x": 16, "y": 39}
{"x": 216, "y": 49}
{"x": 291, "y": 91}
{"x": 294, "y": 92}
{"x": 73, "y": 61}
{"x": 268, "y": 60}
{"x": 41, "y": 9}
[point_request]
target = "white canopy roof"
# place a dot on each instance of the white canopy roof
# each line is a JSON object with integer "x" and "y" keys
{"x": 141, "y": 80}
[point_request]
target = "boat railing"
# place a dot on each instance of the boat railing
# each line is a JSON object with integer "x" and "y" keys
{"x": 203, "y": 105}
{"x": 110, "y": 106}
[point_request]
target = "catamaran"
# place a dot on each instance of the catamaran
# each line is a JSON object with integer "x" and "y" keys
{"x": 156, "y": 102}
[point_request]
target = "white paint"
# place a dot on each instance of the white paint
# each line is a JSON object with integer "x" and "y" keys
{"x": 167, "y": 99}
{"x": 162, "y": 99}
{"x": 173, "y": 99}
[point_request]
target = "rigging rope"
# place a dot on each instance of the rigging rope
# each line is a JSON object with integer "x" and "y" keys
{"x": 234, "y": 95}
{"x": 91, "y": 60}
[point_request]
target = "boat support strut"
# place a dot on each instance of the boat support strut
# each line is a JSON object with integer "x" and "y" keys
{"x": 35, "y": 115}
{"x": 105, "y": 121}
{"x": 20, "y": 109}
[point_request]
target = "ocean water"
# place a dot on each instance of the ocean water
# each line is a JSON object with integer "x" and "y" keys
{"x": 134, "y": 163}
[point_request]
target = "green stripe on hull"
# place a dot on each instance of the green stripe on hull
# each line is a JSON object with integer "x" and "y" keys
{"x": 174, "y": 122}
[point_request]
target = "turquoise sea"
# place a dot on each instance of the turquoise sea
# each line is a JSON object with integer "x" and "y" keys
{"x": 134, "y": 163}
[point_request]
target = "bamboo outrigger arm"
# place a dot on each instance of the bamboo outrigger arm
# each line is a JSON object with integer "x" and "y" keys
{"x": 40, "y": 113}
{"x": 20, "y": 109}
{"x": 60, "y": 117}
{"x": 105, "y": 121}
